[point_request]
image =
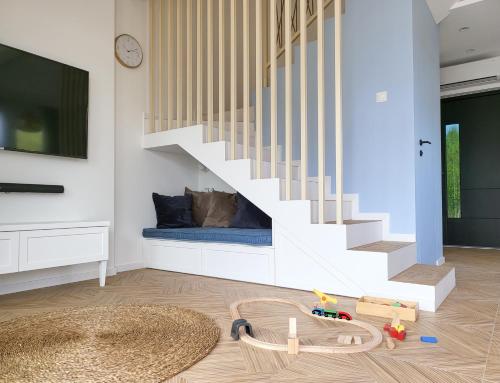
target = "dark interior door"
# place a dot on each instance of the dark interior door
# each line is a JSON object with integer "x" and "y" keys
{"x": 471, "y": 170}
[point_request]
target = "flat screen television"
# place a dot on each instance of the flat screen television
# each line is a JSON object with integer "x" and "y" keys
{"x": 43, "y": 105}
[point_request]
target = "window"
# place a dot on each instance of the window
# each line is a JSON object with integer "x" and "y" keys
{"x": 453, "y": 170}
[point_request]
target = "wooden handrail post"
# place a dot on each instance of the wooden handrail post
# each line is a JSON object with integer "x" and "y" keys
{"x": 303, "y": 99}
{"x": 189, "y": 64}
{"x": 246, "y": 78}
{"x": 258, "y": 87}
{"x": 233, "y": 79}
{"x": 179, "y": 65}
{"x": 170, "y": 65}
{"x": 152, "y": 89}
{"x": 339, "y": 177}
{"x": 160, "y": 67}
{"x": 288, "y": 100}
{"x": 222, "y": 71}
{"x": 199, "y": 60}
{"x": 274, "y": 120}
{"x": 210, "y": 69}
{"x": 321, "y": 113}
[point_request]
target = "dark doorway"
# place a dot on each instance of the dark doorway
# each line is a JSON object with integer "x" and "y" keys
{"x": 471, "y": 170}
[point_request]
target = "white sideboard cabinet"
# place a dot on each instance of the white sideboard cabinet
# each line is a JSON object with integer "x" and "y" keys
{"x": 34, "y": 246}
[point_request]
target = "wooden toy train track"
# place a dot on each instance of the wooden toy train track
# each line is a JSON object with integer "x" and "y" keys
{"x": 372, "y": 343}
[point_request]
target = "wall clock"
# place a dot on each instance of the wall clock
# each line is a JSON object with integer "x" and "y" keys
{"x": 128, "y": 51}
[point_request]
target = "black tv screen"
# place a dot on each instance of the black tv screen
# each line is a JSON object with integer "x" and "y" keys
{"x": 43, "y": 105}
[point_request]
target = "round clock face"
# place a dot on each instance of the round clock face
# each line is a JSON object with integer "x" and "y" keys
{"x": 128, "y": 51}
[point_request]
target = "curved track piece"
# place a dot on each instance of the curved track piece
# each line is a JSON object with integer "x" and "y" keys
{"x": 374, "y": 342}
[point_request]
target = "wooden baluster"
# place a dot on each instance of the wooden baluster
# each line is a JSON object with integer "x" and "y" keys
{"x": 160, "y": 67}
{"x": 233, "y": 79}
{"x": 274, "y": 118}
{"x": 180, "y": 75}
{"x": 210, "y": 69}
{"x": 152, "y": 88}
{"x": 258, "y": 88}
{"x": 189, "y": 64}
{"x": 321, "y": 113}
{"x": 339, "y": 184}
{"x": 199, "y": 60}
{"x": 222, "y": 71}
{"x": 170, "y": 65}
{"x": 246, "y": 78}
{"x": 288, "y": 99}
{"x": 303, "y": 100}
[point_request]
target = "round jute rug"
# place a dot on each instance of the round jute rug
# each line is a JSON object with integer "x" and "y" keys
{"x": 131, "y": 343}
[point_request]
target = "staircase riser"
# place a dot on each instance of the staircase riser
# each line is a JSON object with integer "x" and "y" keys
{"x": 363, "y": 234}
{"x": 400, "y": 260}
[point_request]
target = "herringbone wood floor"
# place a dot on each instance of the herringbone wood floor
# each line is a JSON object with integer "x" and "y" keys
{"x": 467, "y": 325}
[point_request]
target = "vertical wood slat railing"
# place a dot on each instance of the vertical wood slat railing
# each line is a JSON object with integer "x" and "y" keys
{"x": 222, "y": 72}
{"x": 210, "y": 69}
{"x": 321, "y": 112}
{"x": 288, "y": 100}
{"x": 179, "y": 39}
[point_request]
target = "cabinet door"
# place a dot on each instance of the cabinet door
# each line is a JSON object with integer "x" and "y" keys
{"x": 9, "y": 252}
{"x": 51, "y": 248}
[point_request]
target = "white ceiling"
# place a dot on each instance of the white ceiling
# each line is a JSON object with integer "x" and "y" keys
{"x": 483, "y": 36}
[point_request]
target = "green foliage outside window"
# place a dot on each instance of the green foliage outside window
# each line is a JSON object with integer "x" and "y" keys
{"x": 453, "y": 170}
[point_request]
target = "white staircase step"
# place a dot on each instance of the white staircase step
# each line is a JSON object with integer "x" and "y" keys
{"x": 398, "y": 256}
{"x": 435, "y": 282}
{"x": 362, "y": 232}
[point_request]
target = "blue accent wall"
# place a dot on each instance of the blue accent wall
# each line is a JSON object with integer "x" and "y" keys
{"x": 427, "y": 123}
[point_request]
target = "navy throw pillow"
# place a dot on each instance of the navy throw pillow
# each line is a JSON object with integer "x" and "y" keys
{"x": 249, "y": 216}
{"x": 173, "y": 212}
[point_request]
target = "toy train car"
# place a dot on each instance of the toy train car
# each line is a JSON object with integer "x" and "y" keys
{"x": 331, "y": 313}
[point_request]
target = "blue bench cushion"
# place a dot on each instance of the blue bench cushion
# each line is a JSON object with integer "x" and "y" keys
{"x": 261, "y": 237}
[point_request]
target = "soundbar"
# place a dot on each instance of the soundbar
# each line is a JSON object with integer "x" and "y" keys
{"x": 30, "y": 188}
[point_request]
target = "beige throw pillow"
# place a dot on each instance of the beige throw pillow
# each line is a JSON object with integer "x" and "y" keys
{"x": 201, "y": 205}
{"x": 221, "y": 210}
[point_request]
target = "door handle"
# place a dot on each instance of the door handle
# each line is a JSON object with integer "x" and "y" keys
{"x": 422, "y": 142}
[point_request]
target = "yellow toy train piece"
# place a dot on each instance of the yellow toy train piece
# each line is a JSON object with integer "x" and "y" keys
{"x": 324, "y": 299}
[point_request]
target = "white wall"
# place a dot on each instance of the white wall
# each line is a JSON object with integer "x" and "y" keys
{"x": 139, "y": 172}
{"x": 78, "y": 33}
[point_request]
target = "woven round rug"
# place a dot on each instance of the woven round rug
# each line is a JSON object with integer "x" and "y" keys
{"x": 132, "y": 343}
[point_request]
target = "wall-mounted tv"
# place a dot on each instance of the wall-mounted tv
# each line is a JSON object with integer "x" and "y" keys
{"x": 43, "y": 105}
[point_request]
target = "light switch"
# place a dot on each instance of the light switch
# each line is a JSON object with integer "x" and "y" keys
{"x": 381, "y": 96}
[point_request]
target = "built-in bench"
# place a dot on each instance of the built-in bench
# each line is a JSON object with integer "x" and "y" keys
{"x": 230, "y": 253}
{"x": 260, "y": 237}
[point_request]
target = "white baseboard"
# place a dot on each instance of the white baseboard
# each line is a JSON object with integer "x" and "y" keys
{"x": 52, "y": 281}
{"x": 129, "y": 266}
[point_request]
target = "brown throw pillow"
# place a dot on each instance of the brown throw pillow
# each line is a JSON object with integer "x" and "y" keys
{"x": 221, "y": 211}
{"x": 201, "y": 205}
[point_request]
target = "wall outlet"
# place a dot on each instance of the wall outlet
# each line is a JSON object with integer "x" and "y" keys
{"x": 381, "y": 96}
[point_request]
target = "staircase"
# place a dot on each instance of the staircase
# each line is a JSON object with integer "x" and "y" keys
{"x": 353, "y": 259}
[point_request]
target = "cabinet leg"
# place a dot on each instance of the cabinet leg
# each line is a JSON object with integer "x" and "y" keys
{"x": 102, "y": 273}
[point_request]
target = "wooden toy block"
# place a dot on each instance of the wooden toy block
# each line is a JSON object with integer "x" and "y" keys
{"x": 293, "y": 346}
{"x": 385, "y": 308}
{"x": 340, "y": 339}
{"x": 293, "y": 341}
{"x": 348, "y": 339}
{"x": 428, "y": 339}
{"x": 357, "y": 340}
{"x": 292, "y": 327}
